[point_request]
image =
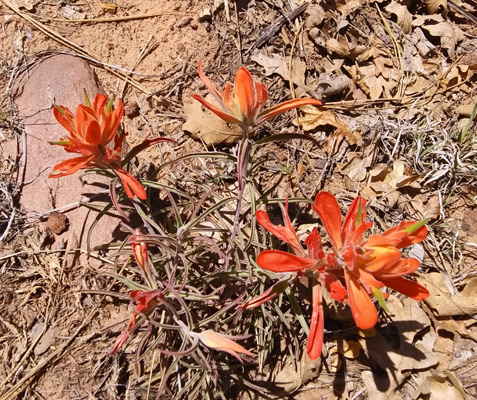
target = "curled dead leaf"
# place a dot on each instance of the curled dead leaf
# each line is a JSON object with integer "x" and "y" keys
{"x": 443, "y": 303}
{"x": 315, "y": 117}
{"x": 436, "y": 6}
{"x": 403, "y": 16}
{"x": 206, "y": 126}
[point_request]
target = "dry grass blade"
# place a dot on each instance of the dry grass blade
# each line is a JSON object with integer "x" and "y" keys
{"x": 113, "y": 19}
{"x": 19, "y": 387}
{"x": 59, "y": 38}
{"x": 7, "y": 211}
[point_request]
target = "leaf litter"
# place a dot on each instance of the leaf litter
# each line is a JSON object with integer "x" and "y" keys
{"x": 359, "y": 66}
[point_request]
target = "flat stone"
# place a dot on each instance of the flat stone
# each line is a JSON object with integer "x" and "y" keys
{"x": 60, "y": 80}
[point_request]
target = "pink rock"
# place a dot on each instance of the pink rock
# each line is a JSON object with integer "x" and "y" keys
{"x": 59, "y": 80}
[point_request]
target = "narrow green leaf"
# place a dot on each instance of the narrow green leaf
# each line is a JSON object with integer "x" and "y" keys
{"x": 109, "y": 107}
{"x": 86, "y": 99}
{"x": 413, "y": 228}
{"x": 379, "y": 296}
{"x": 61, "y": 110}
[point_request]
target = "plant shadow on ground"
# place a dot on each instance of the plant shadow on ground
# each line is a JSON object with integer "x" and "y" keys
{"x": 214, "y": 273}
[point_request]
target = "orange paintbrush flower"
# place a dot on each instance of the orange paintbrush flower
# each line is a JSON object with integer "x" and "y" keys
{"x": 139, "y": 249}
{"x": 217, "y": 341}
{"x": 147, "y": 301}
{"x": 243, "y": 104}
{"x": 365, "y": 265}
{"x": 312, "y": 264}
{"x": 225, "y": 343}
{"x": 91, "y": 130}
{"x": 373, "y": 263}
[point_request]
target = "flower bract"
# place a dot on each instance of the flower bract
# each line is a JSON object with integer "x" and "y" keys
{"x": 243, "y": 105}
{"x": 91, "y": 131}
{"x": 355, "y": 269}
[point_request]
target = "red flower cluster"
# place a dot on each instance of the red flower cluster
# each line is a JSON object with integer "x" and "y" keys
{"x": 91, "y": 130}
{"x": 365, "y": 266}
{"x": 243, "y": 104}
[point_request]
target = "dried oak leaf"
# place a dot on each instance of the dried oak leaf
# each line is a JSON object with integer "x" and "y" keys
{"x": 206, "y": 126}
{"x": 436, "y": 26}
{"x": 316, "y": 117}
{"x": 371, "y": 79}
{"x": 442, "y": 386}
{"x": 404, "y": 17}
{"x": 409, "y": 319}
{"x": 436, "y": 6}
{"x": 278, "y": 65}
{"x": 443, "y": 302}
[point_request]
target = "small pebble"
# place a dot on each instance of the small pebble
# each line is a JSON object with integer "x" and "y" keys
{"x": 57, "y": 223}
{"x": 131, "y": 109}
{"x": 205, "y": 15}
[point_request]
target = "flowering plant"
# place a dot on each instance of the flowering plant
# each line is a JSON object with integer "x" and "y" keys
{"x": 243, "y": 105}
{"x": 365, "y": 266}
{"x": 91, "y": 130}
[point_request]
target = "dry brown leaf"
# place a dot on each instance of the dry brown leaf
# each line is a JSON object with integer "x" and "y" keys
{"x": 367, "y": 77}
{"x": 344, "y": 47}
{"x": 436, "y": 6}
{"x": 356, "y": 168}
{"x": 346, "y": 7}
{"x": 443, "y": 386}
{"x": 404, "y": 17}
{"x": 443, "y": 303}
{"x": 409, "y": 319}
{"x": 208, "y": 127}
{"x": 278, "y": 65}
{"x": 315, "y": 117}
{"x": 448, "y": 34}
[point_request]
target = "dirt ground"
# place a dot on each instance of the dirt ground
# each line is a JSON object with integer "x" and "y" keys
{"x": 398, "y": 83}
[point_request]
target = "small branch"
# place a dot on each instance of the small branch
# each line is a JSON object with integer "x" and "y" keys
{"x": 268, "y": 32}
